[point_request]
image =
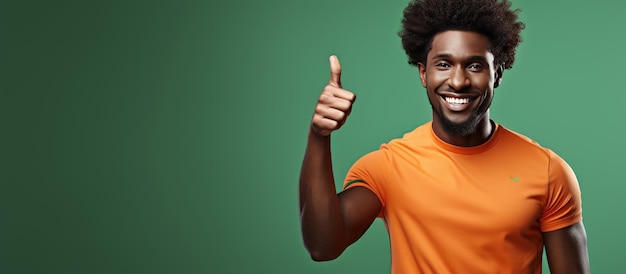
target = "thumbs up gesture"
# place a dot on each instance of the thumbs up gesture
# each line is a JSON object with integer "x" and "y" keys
{"x": 334, "y": 104}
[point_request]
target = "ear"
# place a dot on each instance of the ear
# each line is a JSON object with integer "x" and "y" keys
{"x": 499, "y": 71}
{"x": 422, "y": 70}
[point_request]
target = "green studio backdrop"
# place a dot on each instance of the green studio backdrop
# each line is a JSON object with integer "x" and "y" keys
{"x": 167, "y": 136}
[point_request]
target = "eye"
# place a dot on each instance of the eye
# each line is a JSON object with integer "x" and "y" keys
{"x": 475, "y": 67}
{"x": 442, "y": 64}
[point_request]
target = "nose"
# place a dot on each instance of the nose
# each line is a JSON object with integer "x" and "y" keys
{"x": 458, "y": 79}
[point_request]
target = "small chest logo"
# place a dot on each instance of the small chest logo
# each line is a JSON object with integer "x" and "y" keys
{"x": 515, "y": 179}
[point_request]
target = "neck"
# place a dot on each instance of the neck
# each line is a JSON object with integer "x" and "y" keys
{"x": 484, "y": 129}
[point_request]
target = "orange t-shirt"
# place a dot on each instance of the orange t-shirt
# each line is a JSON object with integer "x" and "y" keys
{"x": 481, "y": 209}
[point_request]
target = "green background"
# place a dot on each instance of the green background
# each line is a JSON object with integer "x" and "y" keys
{"x": 167, "y": 136}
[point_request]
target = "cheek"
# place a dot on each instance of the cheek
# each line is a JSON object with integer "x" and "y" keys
{"x": 435, "y": 79}
{"x": 483, "y": 82}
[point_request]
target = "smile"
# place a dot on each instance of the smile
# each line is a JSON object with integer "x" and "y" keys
{"x": 457, "y": 101}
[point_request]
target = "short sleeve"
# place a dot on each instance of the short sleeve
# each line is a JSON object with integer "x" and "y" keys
{"x": 369, "y": 172}
{"x": 563, "y": 206}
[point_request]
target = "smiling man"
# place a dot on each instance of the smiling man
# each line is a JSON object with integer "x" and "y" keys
{"x": 461, "y": 193}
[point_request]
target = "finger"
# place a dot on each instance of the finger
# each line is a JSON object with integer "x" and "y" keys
{"x": 334, "y": 102}
{"x": 331, "y": 113}
{"x": 340, "y": 93}
{"x": 335, "y": 72}
{"x": 323, "y": 126}
{"x": 326, "y": 124}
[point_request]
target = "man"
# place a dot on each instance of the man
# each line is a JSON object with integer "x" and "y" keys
{"x": 459, "y": 194}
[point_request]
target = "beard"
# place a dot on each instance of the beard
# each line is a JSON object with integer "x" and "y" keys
{"x": 462, "y": 129}
{"x": 470, "y": 125}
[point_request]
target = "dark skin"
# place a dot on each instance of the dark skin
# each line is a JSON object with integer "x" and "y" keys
{"x": 459, "y": 76}
{"x": 460, "y": 67}
{"x": 331, "y": 222}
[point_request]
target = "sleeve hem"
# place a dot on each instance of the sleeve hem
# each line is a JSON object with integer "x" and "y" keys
{"x": 561, "y": 224}
{"x": 361, "y": 183}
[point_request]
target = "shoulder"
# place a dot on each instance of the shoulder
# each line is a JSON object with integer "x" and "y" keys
{"x": 521, "y": 143}
{"x": 405, "y": 148}
{"x": 418, "y": 137}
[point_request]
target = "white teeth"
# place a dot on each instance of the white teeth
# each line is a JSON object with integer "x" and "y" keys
{"x": 453, "y": 100}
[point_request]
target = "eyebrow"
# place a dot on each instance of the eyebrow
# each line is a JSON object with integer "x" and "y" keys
{"x": 471, "y": 58}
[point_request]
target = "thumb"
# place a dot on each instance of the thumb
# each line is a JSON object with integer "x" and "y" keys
{"x": 335, "y": 72}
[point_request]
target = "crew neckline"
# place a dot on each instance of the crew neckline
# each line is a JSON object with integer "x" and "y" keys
{"x": 466, "y": 150}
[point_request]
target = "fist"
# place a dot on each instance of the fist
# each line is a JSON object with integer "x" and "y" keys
{"x": 334, "y": 104}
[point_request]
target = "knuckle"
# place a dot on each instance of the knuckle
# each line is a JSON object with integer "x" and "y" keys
{"x": 346, "y": 105}
{"x": 319, "y": 108}
{"x": 332, "y": 124}
{"x": 324, "y": 98}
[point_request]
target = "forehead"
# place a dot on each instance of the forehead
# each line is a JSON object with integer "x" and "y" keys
{"x": 458, "y": 43}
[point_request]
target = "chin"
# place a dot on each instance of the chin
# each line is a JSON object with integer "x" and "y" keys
{"x": 465, "y": 128}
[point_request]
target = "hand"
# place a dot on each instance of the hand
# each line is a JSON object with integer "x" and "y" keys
{"x": 334, "y": 104}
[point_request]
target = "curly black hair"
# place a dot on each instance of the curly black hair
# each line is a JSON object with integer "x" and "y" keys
{"x": 423, "y": 19}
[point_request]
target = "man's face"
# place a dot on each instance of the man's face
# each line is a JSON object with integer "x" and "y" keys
{"x": 459, "y": 77}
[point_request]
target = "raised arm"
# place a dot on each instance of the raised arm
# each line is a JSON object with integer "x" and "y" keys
{"x": 566, "y": 250}
{"x": 330, "y": 222}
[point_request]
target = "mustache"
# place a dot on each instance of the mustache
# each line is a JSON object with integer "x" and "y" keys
{"x": 461, "y": 91}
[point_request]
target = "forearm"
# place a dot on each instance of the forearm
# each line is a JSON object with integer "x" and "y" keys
{"x": 320, "y": 212}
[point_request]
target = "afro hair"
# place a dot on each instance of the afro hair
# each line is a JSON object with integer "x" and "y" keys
{"x": 423, "y": 19}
